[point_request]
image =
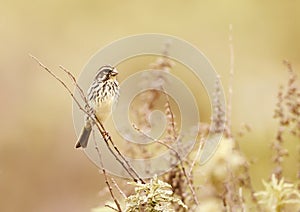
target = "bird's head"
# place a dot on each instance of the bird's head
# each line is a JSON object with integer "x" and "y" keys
{"x": 106, "y": 72}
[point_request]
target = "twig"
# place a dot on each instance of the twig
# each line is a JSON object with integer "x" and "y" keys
{"x": 287, "y": 112}
{"x": 107, "y": 139}
{"x": 171, "y": 114}
{"x": 118, "y": 188}
{"x": 60, "y": 81}
{"x": 242, "y": 200}
{"x": 105, "y": 176}
{"x": 83, "y": 96}
{"x": 230, "y": 84}
{"x": 201, "y": 143}
{"x": 111, "y": 207}
{"x": 298, "y": 171}
{"x": 154, "y": 139}
{"x": 189, "y": 181}
{"x": 87, "y": 111}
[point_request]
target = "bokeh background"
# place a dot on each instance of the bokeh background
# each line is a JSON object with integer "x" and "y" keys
{"x": 39, "y": 168}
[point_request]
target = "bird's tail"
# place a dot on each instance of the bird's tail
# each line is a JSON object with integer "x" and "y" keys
{"x": 84, "y": 137}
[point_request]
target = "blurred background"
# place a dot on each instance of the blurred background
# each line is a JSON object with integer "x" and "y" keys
{"x": 39, "y": 168}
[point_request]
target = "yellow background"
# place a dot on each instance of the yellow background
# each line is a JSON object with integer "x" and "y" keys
{"x": 39, "y": 168}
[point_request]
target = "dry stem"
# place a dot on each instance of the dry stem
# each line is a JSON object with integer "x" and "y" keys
{"x": 106, "y": 178}
{"x": 188, "y": 179}
{"x": 129, "y": 169}
{"x": 230, "y": 90}
{"x": 287, "y": 112}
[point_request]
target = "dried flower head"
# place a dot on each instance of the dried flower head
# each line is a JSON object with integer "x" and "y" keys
{"x": 287, "y": 112}
{"x": 219, "y": 114}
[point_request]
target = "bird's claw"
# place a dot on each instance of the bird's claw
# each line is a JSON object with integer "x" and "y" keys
{"x": 106, "y": 135}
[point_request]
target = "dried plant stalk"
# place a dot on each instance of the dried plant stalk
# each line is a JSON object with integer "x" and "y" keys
{"x": 107, "y": 138}
{"x": 288, "y": 114}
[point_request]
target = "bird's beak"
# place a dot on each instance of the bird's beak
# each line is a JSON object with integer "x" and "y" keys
{"x": 114, "y": 72}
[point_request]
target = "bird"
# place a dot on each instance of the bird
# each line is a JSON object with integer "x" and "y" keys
{"x": 101, "y": 95}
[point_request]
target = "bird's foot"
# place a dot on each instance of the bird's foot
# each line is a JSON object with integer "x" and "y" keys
{"x": 106, "y": 135}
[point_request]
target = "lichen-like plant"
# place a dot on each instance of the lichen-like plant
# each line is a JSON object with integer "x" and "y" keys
{"x": 278, "y": 194}
{"x": 155, "y": 196}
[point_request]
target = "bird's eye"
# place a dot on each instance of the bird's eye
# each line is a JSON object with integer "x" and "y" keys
{"x": 105, "y": 76}
{"x": 104, "y": 73}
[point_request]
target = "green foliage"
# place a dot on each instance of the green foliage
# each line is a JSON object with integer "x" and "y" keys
{"x": 155, "y": 196}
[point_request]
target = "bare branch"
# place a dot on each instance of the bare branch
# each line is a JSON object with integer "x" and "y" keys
{"x": 111, "y": 207}
{"x": 105, "y": 176}
{"x": 99, "y": 125}
{"x": 230, "y": 84}
{"x": 189, "y": 181}
{"x": 87, "y": 111}
{"x": 170, "y": 114}
{"x": 83, "y": 96}
{"x": 201, "y": 143}
{"x": 118, "y": 188}
{"x": 107, "y": 138}
{"x": 61, "y": 82}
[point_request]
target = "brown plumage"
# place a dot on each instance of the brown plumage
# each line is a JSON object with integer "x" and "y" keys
{"x": 102, "y": 93}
